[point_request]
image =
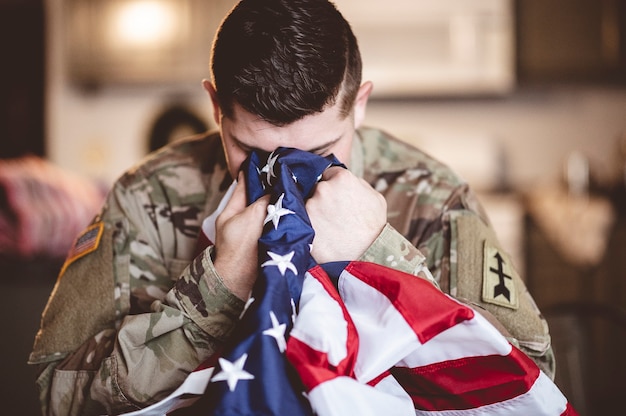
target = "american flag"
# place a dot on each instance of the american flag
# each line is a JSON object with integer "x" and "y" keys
{"x": 352, "y": 337}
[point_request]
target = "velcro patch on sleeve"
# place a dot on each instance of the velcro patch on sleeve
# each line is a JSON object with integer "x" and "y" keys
{"x": 481, "y": 268}
{"x": 498, "y": 284}
{"x": 86, "y": 242}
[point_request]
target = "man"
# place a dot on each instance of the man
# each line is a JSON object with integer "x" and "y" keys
{"x": 140, "y": 303}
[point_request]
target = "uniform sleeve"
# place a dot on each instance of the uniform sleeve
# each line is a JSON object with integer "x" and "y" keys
{"x": 483, "y": 274}
{"x": 99, "y": 350}
{"x": 470, "y": 264}
{"x": 391, "y": 249}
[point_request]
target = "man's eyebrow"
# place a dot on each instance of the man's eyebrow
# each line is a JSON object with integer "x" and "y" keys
{"x": 242, "y": 145}
{"x": 324, "y": 146}
{"x": 248, "y": 148}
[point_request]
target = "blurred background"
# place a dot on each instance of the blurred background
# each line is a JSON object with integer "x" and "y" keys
{"x": 525, "y": 99}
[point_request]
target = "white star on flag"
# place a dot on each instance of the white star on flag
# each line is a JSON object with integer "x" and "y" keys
{"x": 277, "y": 331}
{"x": 233, "y": 372}
{"x": 282, "y": 262}
{"x": 293, "y": 311}
{"x": 269, "y": 168}
{"x": 274, "y": 212}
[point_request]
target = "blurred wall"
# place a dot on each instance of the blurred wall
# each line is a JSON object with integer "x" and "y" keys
{"x": 536, "y": 129}
{"x": 102, "y": 132}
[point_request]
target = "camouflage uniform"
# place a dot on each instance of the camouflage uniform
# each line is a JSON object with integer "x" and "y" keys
{"x": 136, "y": 308}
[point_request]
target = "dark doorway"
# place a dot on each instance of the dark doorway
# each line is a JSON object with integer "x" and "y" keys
{"x": 22, "y": 75}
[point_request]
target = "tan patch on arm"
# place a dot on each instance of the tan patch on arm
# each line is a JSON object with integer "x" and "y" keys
{"x": 82, "y": 302}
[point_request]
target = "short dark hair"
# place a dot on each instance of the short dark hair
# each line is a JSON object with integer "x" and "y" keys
{"x": 285, "y": 59}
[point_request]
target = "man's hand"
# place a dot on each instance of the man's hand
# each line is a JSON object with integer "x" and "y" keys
{"x": 347, "y": 215}
{"x": 238, "y": 229}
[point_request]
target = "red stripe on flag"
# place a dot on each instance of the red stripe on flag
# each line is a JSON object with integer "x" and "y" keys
{"x": 569, "y": 411}
{"x": 312, "y": 365}
{"x": 378, "y": 379}
{"x": 202, "y": 243}
{"x": 468, "y": 382}
{"x": 430, "y": 316}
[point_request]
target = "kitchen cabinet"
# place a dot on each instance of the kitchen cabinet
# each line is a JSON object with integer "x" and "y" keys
{"x": 434, "y": 48}
{"x": 571, "y": 41}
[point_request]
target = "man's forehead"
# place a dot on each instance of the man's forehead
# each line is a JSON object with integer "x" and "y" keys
{"x": 268, "y": 145}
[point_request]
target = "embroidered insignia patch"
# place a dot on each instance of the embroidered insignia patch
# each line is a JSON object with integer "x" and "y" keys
{"x": 87, "y": 242}
{"x": 498, "y": 284}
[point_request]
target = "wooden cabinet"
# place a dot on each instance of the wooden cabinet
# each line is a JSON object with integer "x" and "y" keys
{"x": 580, "y": 41}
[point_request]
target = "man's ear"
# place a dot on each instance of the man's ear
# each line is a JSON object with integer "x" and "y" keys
{"x": 360, "y": 103}
{"x": 208, "y": 86}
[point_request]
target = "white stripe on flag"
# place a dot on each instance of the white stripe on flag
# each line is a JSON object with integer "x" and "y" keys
{"x": 320, "y": 323}
{"x": 473, "y": 338}
{"x": 376, "y": 319}
{"x": 194, "y": 384}
{"x": 336, "y": 397}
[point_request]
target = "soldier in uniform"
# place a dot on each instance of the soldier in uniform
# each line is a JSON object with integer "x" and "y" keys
{"x": 138, "y": 305}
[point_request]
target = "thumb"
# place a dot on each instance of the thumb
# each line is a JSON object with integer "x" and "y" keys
{"x": 237, "y": 201}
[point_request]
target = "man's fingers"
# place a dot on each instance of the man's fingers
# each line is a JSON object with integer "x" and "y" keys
{"x": 237, "y": 201}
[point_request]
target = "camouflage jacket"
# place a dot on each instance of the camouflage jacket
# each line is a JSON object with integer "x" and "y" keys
{"x": 136, "y": 307}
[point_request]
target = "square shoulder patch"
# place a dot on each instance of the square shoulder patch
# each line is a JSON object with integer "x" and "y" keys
{"x": 498, "y": 284}
{"x": 86, "y": 242}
